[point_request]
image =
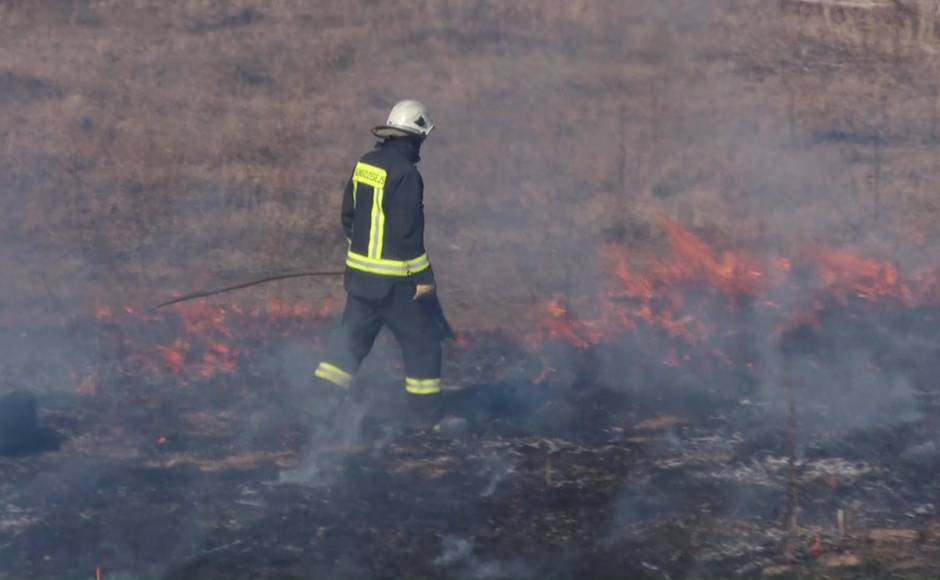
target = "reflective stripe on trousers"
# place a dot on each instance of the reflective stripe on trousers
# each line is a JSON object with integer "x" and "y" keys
{"x": 422, "y": 386}
{"x": 333, "y": 374}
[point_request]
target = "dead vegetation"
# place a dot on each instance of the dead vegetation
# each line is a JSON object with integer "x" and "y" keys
{"x": 151, "y": 148}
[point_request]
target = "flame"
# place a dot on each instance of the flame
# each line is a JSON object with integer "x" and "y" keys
{"x": 816, "y": 548}
{"x": 847, "y": 275}
{"x": 678, "y": 293}
{"x": 543, "y": 375}
{"x": 89, "y": 386}
{"x": 175, "y": 355}
{"x": 278, "y": 309}
{"x": 219, "y": 358}
{"x": 200, "y": 318}
{"x": 558, "y": 324}
{"x": 685, "y": 305}
{"x": 204, "y": 344}
{"x": 327, "y": 309}
{"x": 734, "y": 273}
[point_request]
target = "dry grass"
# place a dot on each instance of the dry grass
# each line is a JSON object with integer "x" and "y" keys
{"x": 150, "y": 147}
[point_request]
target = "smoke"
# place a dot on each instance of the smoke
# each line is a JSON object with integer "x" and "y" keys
{"x": 340, "y": 429}
{"x": 496, "y": 467}
{"x": 337, "y": 423}
{"x": 45, "y": 360}
{"x": 138, "y": 542}
{"x": 847, "y": 394}
{"x": 458, "y": 558}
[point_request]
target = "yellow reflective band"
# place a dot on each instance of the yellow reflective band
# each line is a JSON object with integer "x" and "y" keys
{"x": 377, "y": 233}
{"x": 380, "y": 235}
{"x": 370, "y": 175}
{"x": 333, "y": 374}
{"x": 375, "y": 178}
{"x": 422, "y": 386}
{"x": 388, "y": 267}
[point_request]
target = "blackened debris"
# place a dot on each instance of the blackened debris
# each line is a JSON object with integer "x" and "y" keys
{"x": 19, "y": 87}
{"x": 20, "y": 432}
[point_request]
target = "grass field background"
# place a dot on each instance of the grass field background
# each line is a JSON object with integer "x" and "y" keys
{"x": 149, "y": 147}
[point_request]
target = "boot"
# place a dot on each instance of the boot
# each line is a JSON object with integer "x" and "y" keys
{"x": 424, "y": 411}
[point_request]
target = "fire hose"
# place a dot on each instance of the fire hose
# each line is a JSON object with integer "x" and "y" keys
{"x": 270, "y": 278}
{"x": 434, "y": 303}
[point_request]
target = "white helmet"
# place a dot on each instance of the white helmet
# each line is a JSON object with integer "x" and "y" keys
{"x": 408, "y": 117}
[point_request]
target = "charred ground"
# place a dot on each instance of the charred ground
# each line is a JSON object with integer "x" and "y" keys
{"x": 675, "y": 471}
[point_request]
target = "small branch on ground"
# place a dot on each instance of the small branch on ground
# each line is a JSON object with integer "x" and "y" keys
{"x": 791, "y": 519}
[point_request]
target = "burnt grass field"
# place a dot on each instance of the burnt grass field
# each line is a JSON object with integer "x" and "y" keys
{"x": 690, "y": 249}
{"x": 664, "y": 471}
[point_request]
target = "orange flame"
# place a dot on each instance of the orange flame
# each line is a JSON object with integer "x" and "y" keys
{"x": 848, "y": 275}
{"x": 558, "y": 324}
{"x": 175, "y": 355}
{"x": 89, "y": 386}
{"x": 543, "y": 375}
{"x": 734, "y": 273}
{"x": 690, "y": 295}
{"x": 663, "y": 294}
{"x": 816, "y": 548}
{"x": 204, "y": 345}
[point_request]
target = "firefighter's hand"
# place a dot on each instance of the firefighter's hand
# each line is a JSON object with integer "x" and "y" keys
{"x": 423, "y": 290}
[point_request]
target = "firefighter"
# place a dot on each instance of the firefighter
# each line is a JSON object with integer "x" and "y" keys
{"x": 388, "y": 278}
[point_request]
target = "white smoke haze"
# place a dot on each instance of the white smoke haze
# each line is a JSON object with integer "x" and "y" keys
{"x": 496, "y": 468}
{"x": 332, "y": 435}
{"x": 458, "y": 558}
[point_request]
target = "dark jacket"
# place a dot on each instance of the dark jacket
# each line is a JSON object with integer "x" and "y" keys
{"x": 390, "y": 240}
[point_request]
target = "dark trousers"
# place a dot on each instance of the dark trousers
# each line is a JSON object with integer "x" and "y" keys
{"x": 414, "y": 324}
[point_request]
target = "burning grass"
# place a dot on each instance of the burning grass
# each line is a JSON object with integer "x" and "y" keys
{"x": 692, "y": 301}
{"x": 610, "y": 444}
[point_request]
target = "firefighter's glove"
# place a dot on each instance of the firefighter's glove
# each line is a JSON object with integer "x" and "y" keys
{"x": 423, "y": 291}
